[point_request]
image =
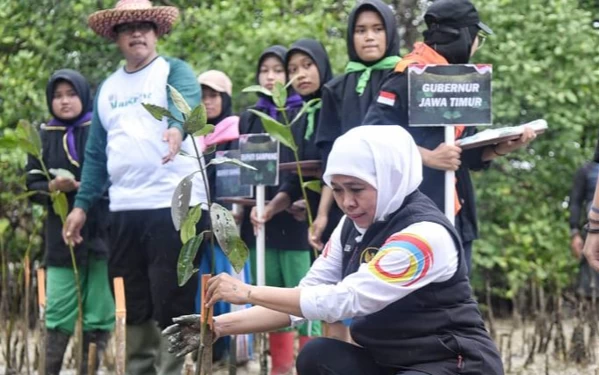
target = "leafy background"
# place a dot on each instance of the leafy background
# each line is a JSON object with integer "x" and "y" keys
{"x": 545, "y": 57}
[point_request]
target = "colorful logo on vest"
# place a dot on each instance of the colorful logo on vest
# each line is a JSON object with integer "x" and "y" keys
{"x": 418, "y": 254}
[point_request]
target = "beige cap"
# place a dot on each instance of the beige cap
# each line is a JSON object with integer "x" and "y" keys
{"x": 216, "y": 80}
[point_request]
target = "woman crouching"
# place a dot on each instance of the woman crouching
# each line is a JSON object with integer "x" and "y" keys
{"x": 394, "y": 264}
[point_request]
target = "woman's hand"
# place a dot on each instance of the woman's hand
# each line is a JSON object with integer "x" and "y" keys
{"x": 510, "y": 146}
{"x": 298, "y": 210}
{"x": 316, "y": 231}
{"x": 184, "y": 335}
{"x": 64, "y": 184}
{"x": 257, "y": 222}
{"x": 225, "y": 287}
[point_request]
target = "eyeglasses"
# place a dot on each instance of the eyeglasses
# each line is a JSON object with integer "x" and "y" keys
{"x": 130, "y": 28}
{"x": 482, "y": 37}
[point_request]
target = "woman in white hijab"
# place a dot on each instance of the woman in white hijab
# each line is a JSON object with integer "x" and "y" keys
{"x": 394, "y": 265}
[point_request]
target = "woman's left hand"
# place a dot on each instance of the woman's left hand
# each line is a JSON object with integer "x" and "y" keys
{"x": 510, "y": 146}
{"x": 227, "y": 288}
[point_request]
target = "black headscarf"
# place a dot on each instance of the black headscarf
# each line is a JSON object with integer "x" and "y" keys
{"x": 391, "y": 29}
{"x": 452, "y": 26}
{"x": 316, "y": 51}
{"x": 265, "y": 103}
{"x": 80, "y": 85}
{"x": 226, "y": 109}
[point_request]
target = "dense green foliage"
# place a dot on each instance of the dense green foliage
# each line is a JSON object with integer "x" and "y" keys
{"x": 545, "y": 56}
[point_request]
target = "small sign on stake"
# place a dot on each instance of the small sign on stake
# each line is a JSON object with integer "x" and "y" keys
{"x": 262, "y": 152}
{"x": 228, "y": 181}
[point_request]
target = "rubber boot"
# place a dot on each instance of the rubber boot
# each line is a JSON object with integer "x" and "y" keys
{"x": 143, "y": 345}
{"x": 56, "y": 344}
{"x": 281, "y": 347}
{"x": 168, "y": 364}
{"x": 100, "y": 338}
{"x": 302, "y": 341}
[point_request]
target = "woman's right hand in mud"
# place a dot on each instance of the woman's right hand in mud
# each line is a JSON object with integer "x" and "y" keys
{"x": 316, "y": 232}
{"x": 184, "y": 336}
{"x": 258, "y": 222}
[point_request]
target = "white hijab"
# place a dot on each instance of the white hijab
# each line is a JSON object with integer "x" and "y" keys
{"x": 384, "y": 156}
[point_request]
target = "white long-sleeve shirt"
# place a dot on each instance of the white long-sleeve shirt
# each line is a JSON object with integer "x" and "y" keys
{"x": 421, "y": 254}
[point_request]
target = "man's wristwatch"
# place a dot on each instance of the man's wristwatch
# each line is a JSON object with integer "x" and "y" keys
{"x": 588, "y": 229}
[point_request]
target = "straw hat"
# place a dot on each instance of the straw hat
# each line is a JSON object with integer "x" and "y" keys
{"x": 128, "y": 11}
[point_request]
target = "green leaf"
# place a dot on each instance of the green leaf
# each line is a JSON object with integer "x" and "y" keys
{"x": 36, "y": 171}
{"x": 258, "y": 89}
{"x": 32, "y": 135}
{"x": 224, "y": 160}
{"x": 60, "y": 172}
{"x": 305, "y": 107}
{"x": 279, "y": 94}
{"x": 276, "y": 129}
{"x": 226, "y": 232}
{"x": 185, "y": 262}
{"x": 188, "y": 228}
{"x": 196, "y": 121}
{"x": 314, "y": 185}
{"x": 179, "y": 101}
{"x": 289, "y": 83}
{"x": 158, "y": 112}
{"x": 180, "y": 202}
{"x": 4, "y": 224}
{"x": 205, "y": 130}
{"x": 60, "y": 205}
{"x": 28, "y": 194}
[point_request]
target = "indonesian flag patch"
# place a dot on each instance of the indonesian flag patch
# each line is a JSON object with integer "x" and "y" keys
{"x": 387, "y": 98}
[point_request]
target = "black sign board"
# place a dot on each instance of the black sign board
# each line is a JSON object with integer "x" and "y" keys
{"x": 228, "y": 181}
{"x": 450, "y": 95}
{"x": 262, "y": 152}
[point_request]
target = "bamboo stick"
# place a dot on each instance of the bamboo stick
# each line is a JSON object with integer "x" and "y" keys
{"x": 120, "y": 326}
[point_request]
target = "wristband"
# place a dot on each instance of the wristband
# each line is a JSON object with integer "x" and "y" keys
{"x": 588, "y": 229}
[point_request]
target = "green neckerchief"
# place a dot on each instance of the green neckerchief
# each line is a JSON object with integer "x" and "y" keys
{"x": 353, "y": 66}
{"x": 310, "y": 127}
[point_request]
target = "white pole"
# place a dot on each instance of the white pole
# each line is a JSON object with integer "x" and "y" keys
{"x": 449, "y": 185}
{"x": 260, "y": 237}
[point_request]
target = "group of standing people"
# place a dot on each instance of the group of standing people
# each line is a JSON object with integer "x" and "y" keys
{"x": 393, "y": 271}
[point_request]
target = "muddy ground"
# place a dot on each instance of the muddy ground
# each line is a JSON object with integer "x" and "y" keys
{"x": 514, "y": 342}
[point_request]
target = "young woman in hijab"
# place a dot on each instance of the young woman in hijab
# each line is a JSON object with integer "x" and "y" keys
{"x": 454, "y": 33}
{"x": 394, "y": 264}
{"x": 287, "y": 252}
{"x": 63, "y": 143}
{"x": 216, "y": 96}
{"x": 373, "y": 46}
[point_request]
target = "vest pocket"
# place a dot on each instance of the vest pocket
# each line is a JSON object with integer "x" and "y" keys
{"x": 465, "y": 352}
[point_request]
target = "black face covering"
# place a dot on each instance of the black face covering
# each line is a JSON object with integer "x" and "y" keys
{"x": 80, "y": 85}
{"x": 597, "y": 153}
{"x": 316, "y": 51}
{"x": 391, "y": 29}
{"x": 452, "y": 43}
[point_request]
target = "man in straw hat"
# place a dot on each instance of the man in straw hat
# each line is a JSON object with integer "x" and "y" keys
{"x": 137, "y": 154}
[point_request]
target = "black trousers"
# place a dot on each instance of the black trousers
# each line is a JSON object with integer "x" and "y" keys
{"x": 144, "y": 251}
{"x": 325, "y": 356}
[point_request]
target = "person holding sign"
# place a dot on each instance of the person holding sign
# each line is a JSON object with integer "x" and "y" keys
{"x": 454, "y": 33}
{"x": 287, "y": 255}
{"x": 394, "y": 264}
{"x": 373, "y": 46}
{"x": 69, "y": 101}
{"x": 308, "y": 66}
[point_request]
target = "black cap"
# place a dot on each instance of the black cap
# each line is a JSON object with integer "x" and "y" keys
{"x": 455, "y": 14}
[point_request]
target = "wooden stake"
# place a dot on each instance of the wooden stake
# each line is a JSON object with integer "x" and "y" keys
{"x": 207, "y": 336}
{"x": 92, "y": 359}
{"x": 120, "y": 326}
{"x": 41, "y": 280}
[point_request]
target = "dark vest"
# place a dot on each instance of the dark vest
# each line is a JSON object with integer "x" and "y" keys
{"x": 437, "y": 329}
